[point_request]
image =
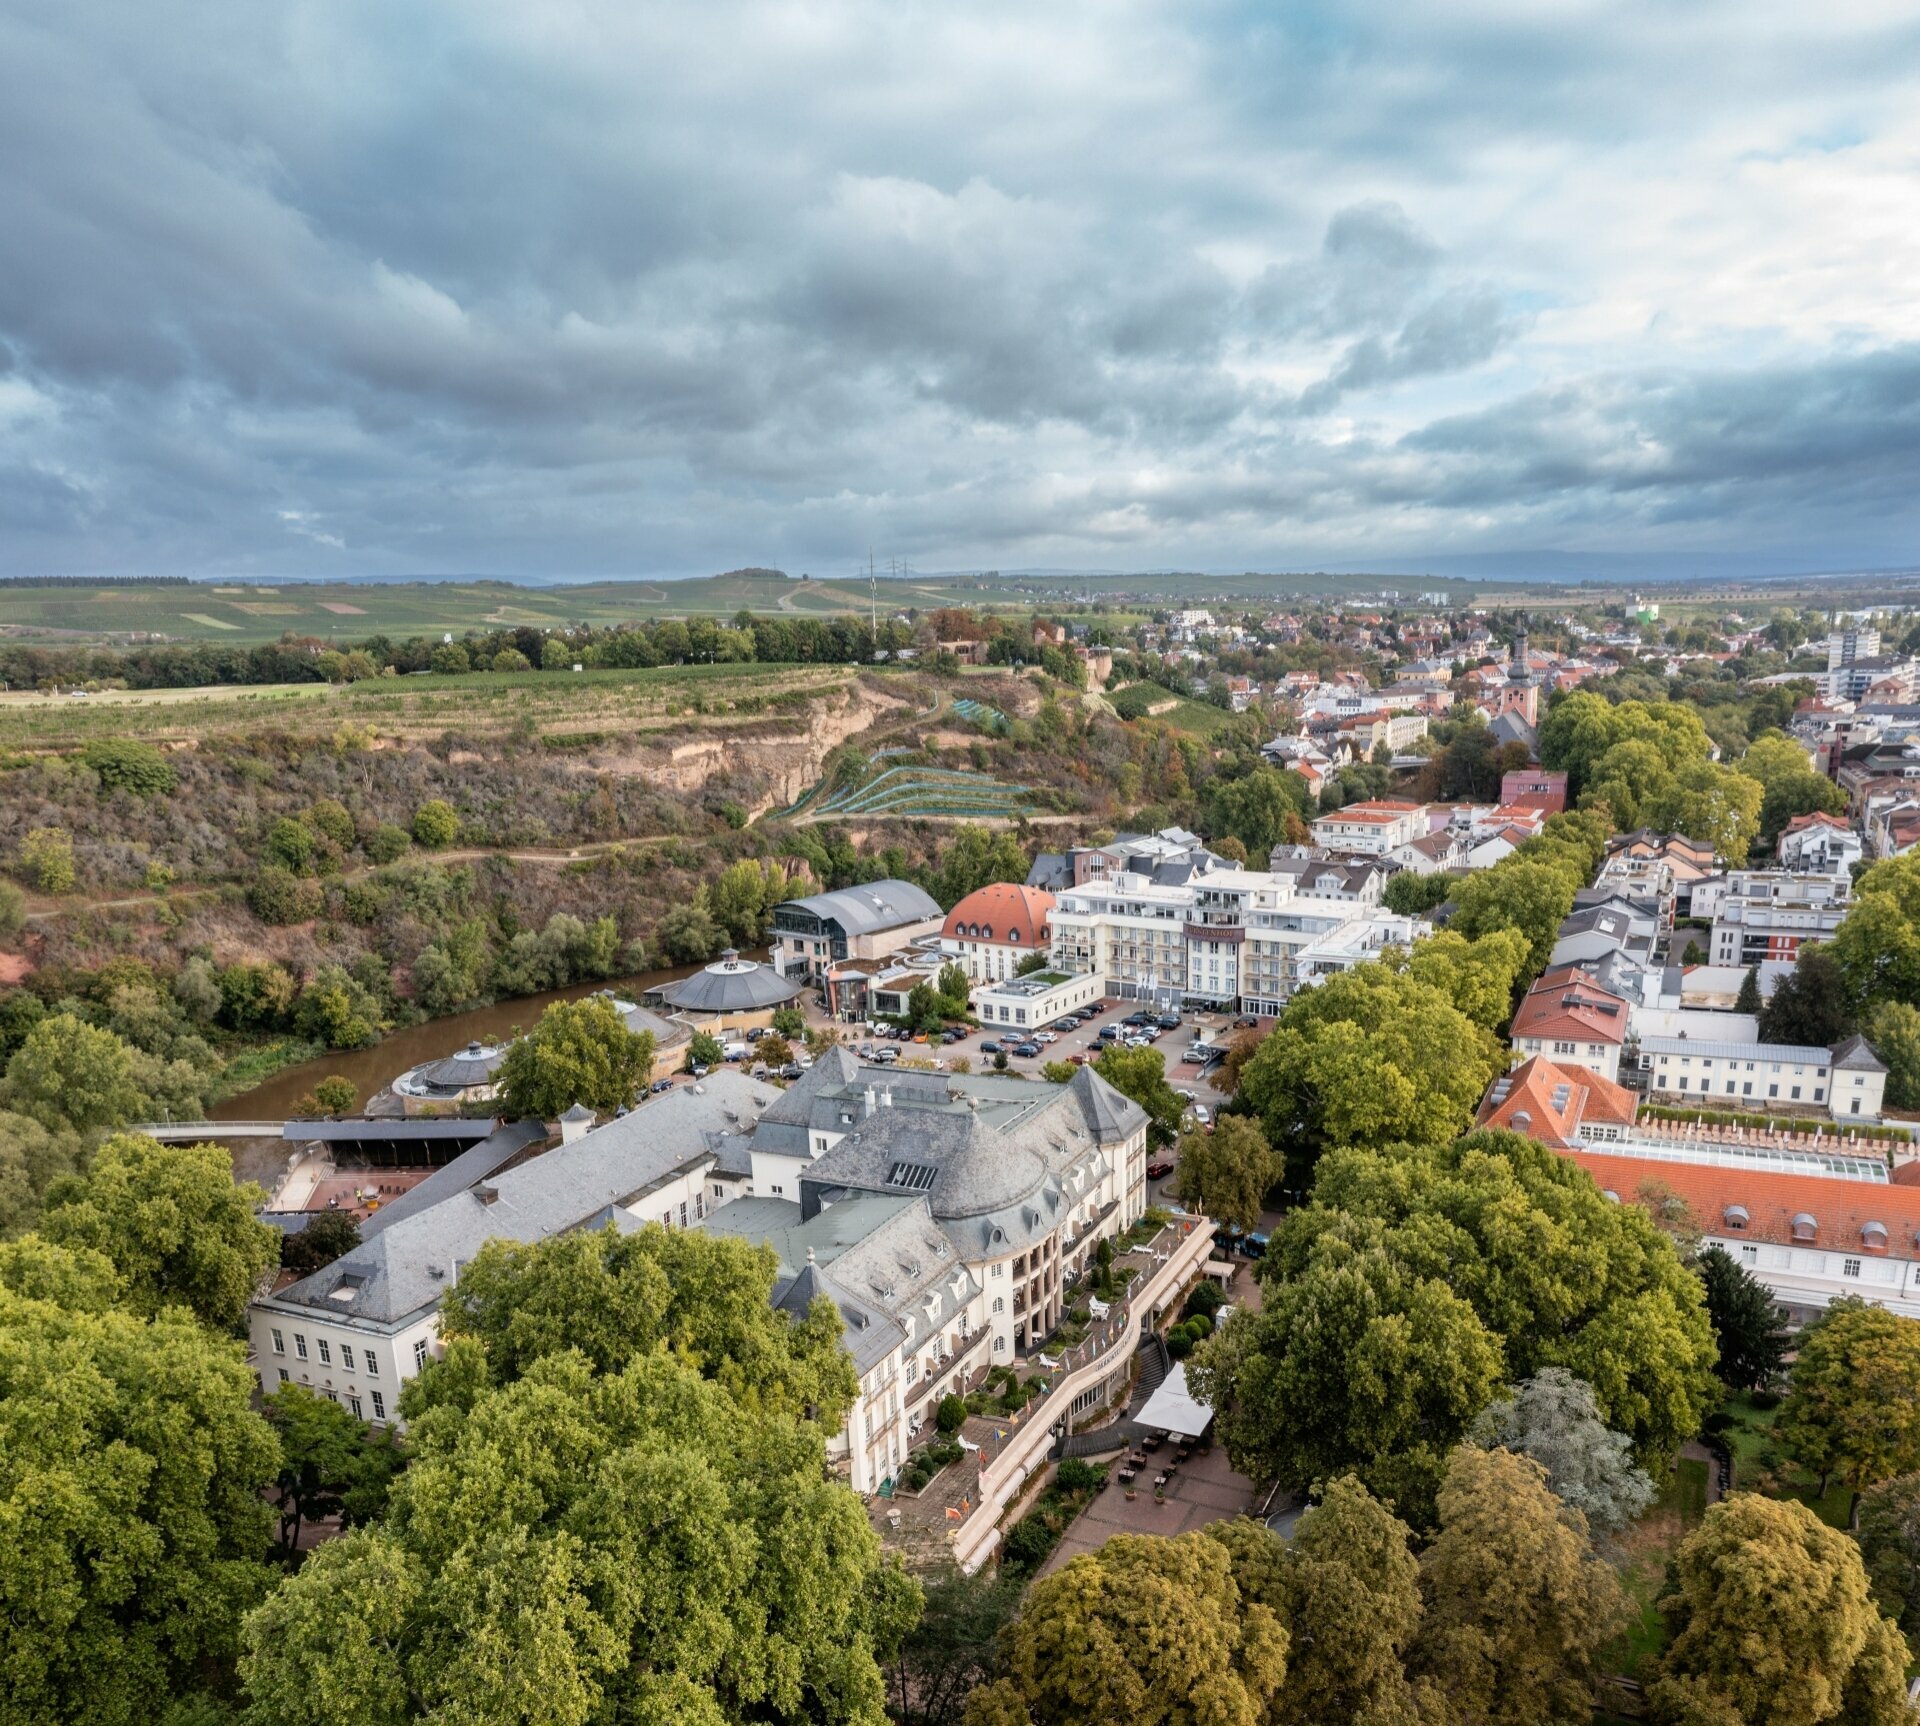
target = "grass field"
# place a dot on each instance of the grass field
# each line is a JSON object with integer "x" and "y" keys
{"x": 1759, "y": 1467}
{"x": 1642, "y": 1562}
{"x": 587, "y": 703}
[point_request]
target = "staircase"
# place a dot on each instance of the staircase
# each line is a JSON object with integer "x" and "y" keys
{"x": 1155, "y": 1364}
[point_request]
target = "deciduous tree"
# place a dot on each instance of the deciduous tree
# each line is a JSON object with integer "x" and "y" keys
{"x": 1346, "y": 1588}
{"x": 1853, "y": 1402}
{"x": 131, "y": 1473}
{"x": 72, "y": 1076}
{"x": 174, "y": 1224}
{"x": 1517, "y": 1605}
{"x": 1887, "y": 1527}
{"x": 1227, "y": 1173}
{"x": 1142, "y": 1075}
{"x": 1771, "y": 1621}
{"x": 577, "y": 1052}
{"x": 1146, "y": 1630}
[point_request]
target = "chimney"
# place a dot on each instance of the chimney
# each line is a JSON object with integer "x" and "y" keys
{"x": 867, "y": 1102}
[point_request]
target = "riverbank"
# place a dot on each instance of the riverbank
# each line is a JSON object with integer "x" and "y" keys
{"x": 273, "y": 1094}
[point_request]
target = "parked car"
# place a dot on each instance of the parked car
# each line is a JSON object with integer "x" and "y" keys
{"x": 791, "y": 1071}
{"x": 1028, "y": 1049}
{"x": 1046, "y": 1036}
{"x": 887, "y": 1057}
{"x": 660, "y": 1085}
{"x": 1094, "y": 1007}
{"x": 1109, "y": 1033}
{"x": 1169, "y": 1021}
{"x": 990, "y": 1048}
{"x": 756, "y": 1033}
{"x": 1138, "y": 1019}
{"x": 1203, "y": 1114}
{"x": 1159, "y": 1168}
{"x": 698, "y": 1070}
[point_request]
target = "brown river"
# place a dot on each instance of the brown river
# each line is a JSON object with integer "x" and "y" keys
{"x": 375, "y": 1068}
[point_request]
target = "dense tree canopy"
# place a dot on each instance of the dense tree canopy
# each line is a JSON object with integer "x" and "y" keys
{"x": 1142, "y": 1075}
{"x": 1877, "y": 946}
{"x": 1369, "y": 1057}
{"x": 1418, "y": 1281}
{"x": 1145, "y": 1630}
{"x": 70, "y": 1075}
{"x": 1478, "y": 976}
{"x": 131, "y": 1473}
{"x": 1771, "y": 1621}
{"x": 172, "y": 1222}
{"x": 577, "y": 1052}
{"x": 1887, "y": 1527}
{"x": 1346, "y": 1588}
{"x": 1788, "y": 782}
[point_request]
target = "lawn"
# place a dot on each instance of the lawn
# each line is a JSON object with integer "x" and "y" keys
{"x": 1641, "y": 1558}
{"x": 1759, "y": 1466}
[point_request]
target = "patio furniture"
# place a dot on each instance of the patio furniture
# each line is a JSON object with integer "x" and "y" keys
{"x": 1160, "y": 1483}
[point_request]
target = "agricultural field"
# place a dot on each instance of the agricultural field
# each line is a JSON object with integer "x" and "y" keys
{"x": 239, "y": 613}
{"x": 533, "y": 703}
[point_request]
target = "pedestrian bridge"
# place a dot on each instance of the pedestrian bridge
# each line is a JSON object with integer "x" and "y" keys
{"x": 198, "y": 1132}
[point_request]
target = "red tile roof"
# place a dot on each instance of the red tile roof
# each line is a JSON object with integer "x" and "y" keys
{"x": 1819, "y": 818}
{"x": 1574, "y": 1009}
{"x": 1840, "y": 1209}
{"x": 1550, "y": 1102}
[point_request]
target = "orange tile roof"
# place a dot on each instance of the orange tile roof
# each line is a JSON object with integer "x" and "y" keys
{"x": 1549, "y": 1102}
{"x": 1005, "y": 912}
{"x": 1841, "y": 1209}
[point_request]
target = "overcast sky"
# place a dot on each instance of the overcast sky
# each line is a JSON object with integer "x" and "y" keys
{"x": 594, "y": 287}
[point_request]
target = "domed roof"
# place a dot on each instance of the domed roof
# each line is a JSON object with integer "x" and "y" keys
{"x": 1006, "y": 912}
{"x": 730, "y": 985}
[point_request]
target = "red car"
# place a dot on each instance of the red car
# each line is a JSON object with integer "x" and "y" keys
{"x": 1157, "y": 1169}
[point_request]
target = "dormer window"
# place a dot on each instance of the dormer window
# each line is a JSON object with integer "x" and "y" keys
{"x": 1874, "y": 1236}
{"x": 1735, "y": 1216}
{"x": 1804, "y": 1227}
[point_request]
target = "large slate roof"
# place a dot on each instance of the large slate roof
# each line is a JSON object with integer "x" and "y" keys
{"x": 409, "y": 1264}
{"x": 871, "y": 908}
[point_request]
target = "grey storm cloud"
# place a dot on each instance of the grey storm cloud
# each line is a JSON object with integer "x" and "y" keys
{"x": 329, "y": 288}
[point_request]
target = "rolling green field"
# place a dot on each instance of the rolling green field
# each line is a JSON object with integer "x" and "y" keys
{"x": 234, "y": 612}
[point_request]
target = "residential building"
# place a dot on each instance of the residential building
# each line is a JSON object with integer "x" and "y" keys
{"x": 994, "y": 928}
{"x": 1765, "y": 915}
{"x": 1370, "y": 829}
{"x": 1819, "y": 844}
{"x": 1854, "y": 642}
{"x": 1598, "y": 930}
{"x": 1352, "y": 881}
{"x": 1848, "y": 1082}
{"x": 1535, "y": 788}
{"x": 866, "y": 922}
{"x": 1565, "y": 1106}
{"x": 1573, "y": 1022}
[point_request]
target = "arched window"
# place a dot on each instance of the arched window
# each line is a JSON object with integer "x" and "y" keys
{"x": 1804, "y": 1227}
{"x": 1735, "y": 1216}
{"x": 986, "y": 931}
{"x": 999, "y": 1305}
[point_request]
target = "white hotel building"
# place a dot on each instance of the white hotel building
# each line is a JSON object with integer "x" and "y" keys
{"x": 1238, "y": 939}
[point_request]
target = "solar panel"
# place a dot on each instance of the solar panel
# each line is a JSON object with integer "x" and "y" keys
{"x": 915, "y": 1177}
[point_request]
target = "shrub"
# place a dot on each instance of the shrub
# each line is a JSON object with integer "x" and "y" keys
{"x": 46, "y": 854}
{"x": 1179, "y": 1344}
{"x": 13, "y": 908}
{"x": 1764, "y": 1400}
{"x": 1027, "y": 1545}
{"x": 952, "y": 1412}
{"x": 1077, "y": 1475}
{"x": 435, "y": 825}
{"x": 388, "y": 843}
{"x": 124, "y": 765}
{"x": 279, "y": 896}
{"x": 450, "y": 659}
{"x": 329, "y": 818}
{"x": 511, "y": 659}
{"x": 1206, "y": 1300}
{"x": 291, "y": 844}
{"x": 790, "y": 1022}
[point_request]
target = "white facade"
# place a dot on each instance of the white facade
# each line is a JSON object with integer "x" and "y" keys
{"x": 1035, "y": 1000}
{"x": 1369, "y": 829}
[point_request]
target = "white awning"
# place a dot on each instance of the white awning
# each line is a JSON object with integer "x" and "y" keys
{"x": 1172, "y": 1408}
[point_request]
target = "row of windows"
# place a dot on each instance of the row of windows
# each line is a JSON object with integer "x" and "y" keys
{"x": 353, "y": 1402}
{"x": 1746, "y": 1090}
{"x": 368, "y": 1357}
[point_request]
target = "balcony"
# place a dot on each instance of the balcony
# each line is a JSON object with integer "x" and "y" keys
{"x": 960, "y": 1349}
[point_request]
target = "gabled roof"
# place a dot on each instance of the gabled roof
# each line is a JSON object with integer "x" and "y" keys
{"x": 1856, "y": 1056}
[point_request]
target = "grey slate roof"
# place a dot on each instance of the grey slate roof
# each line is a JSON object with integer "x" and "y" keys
{"x": 1855, "y": 1056}
{"x": 1803, "y": 1053}
{"x": 729, "y": 986}
{"x": 410, "y": 1263}
{"x": 472, "y": 1166}
{"x": 869, "y": 909}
